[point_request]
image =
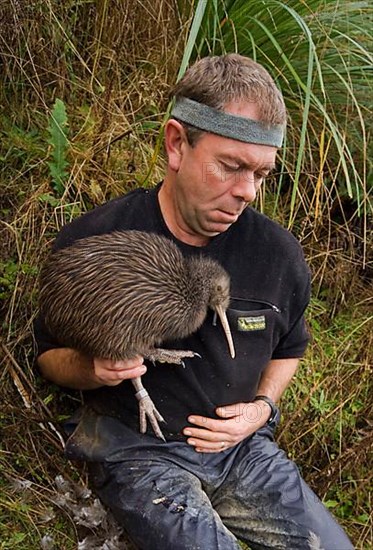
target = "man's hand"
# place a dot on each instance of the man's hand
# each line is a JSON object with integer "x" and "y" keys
{"x": 238, "y": 422}
{"x": 112, "y": 373}
{"x": 72, "y": 369}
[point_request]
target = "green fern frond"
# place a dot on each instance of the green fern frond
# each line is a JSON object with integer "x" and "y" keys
{"x": 58, "y": 131}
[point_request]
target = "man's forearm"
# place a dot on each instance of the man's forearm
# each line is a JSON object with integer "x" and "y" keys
{"x": 69, "y": 368}
{"x": 276, "y": 377}
{"x": 274, "y": 381}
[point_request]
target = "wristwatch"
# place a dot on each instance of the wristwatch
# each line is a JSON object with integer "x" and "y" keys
{"x": 275, "y": 411}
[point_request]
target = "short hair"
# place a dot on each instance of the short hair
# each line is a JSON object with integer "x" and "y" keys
{"x": 219, "y": 80}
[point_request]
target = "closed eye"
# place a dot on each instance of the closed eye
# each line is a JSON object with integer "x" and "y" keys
{"x": 261, "y": 175}
{"x": 230, "y": 167}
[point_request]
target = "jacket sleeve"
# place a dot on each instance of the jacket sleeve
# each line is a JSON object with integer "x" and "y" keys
{"x": 295, "y": 340}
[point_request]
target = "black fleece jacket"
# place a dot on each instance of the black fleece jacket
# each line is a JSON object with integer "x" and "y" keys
{"x": 270, "y": 288}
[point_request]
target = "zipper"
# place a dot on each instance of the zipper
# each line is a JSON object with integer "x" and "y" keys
{"x": 263, "y": 302}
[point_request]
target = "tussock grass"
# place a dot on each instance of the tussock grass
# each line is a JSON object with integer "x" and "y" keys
{"x": 111, "y": 65}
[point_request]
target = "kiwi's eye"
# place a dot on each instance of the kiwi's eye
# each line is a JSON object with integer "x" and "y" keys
{"x": 219, "y": 288}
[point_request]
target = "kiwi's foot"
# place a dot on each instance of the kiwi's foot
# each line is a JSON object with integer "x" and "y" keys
{"x": 148, "y": 411}
{"x": 175, "y": 356}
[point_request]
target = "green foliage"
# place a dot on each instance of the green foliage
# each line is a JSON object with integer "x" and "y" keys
{"x": 58, "y": 132}
{"x": 17, "y": 524}
{"x": 9, "y": 271}
{"x": 327, "y": 407}
{"x": 21, "y": 150}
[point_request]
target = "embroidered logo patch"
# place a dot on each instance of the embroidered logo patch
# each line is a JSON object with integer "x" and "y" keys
{"x": 249, "y": 324}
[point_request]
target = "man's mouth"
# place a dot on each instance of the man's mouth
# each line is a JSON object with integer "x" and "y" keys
{"x": 228, "y": 217}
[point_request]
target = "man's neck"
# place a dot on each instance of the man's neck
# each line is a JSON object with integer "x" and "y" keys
{"x": 170, "y": 215}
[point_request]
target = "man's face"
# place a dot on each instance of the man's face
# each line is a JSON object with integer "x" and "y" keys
{"x": 216, "y": 179}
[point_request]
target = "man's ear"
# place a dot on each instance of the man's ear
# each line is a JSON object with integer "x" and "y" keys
{"x": 175, "y": 140}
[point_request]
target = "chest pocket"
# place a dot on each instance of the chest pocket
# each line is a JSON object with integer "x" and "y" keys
{"x": 255, "y": 327}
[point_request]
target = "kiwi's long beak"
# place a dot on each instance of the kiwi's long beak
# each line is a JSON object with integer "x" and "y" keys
{"x": 224, "y": 321}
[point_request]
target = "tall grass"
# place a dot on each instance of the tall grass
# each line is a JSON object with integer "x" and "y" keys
{"x": 110, "y": 63}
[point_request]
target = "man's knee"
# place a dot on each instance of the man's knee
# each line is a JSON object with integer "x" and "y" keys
{"x": 161, "y": 507}
{"x": 268, "y": 487}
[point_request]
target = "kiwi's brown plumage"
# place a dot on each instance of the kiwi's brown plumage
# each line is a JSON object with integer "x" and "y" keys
{"x": 124, "y": 293}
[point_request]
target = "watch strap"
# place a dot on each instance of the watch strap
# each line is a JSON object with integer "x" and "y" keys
{"x": 269, "y": 402}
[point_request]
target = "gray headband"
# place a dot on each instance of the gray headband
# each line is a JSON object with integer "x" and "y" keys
{"x": 227, "y": 125}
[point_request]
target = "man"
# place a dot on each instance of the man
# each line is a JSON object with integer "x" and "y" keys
{"x": 219, "y": 476}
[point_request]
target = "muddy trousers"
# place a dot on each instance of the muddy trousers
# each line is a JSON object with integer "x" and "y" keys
{"x": 168, "y": 497}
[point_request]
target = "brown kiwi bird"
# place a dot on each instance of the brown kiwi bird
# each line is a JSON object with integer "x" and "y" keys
{"x": 124, "y": 293}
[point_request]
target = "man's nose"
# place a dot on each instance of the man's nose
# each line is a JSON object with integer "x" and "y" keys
{"x": 245, "y": 186}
